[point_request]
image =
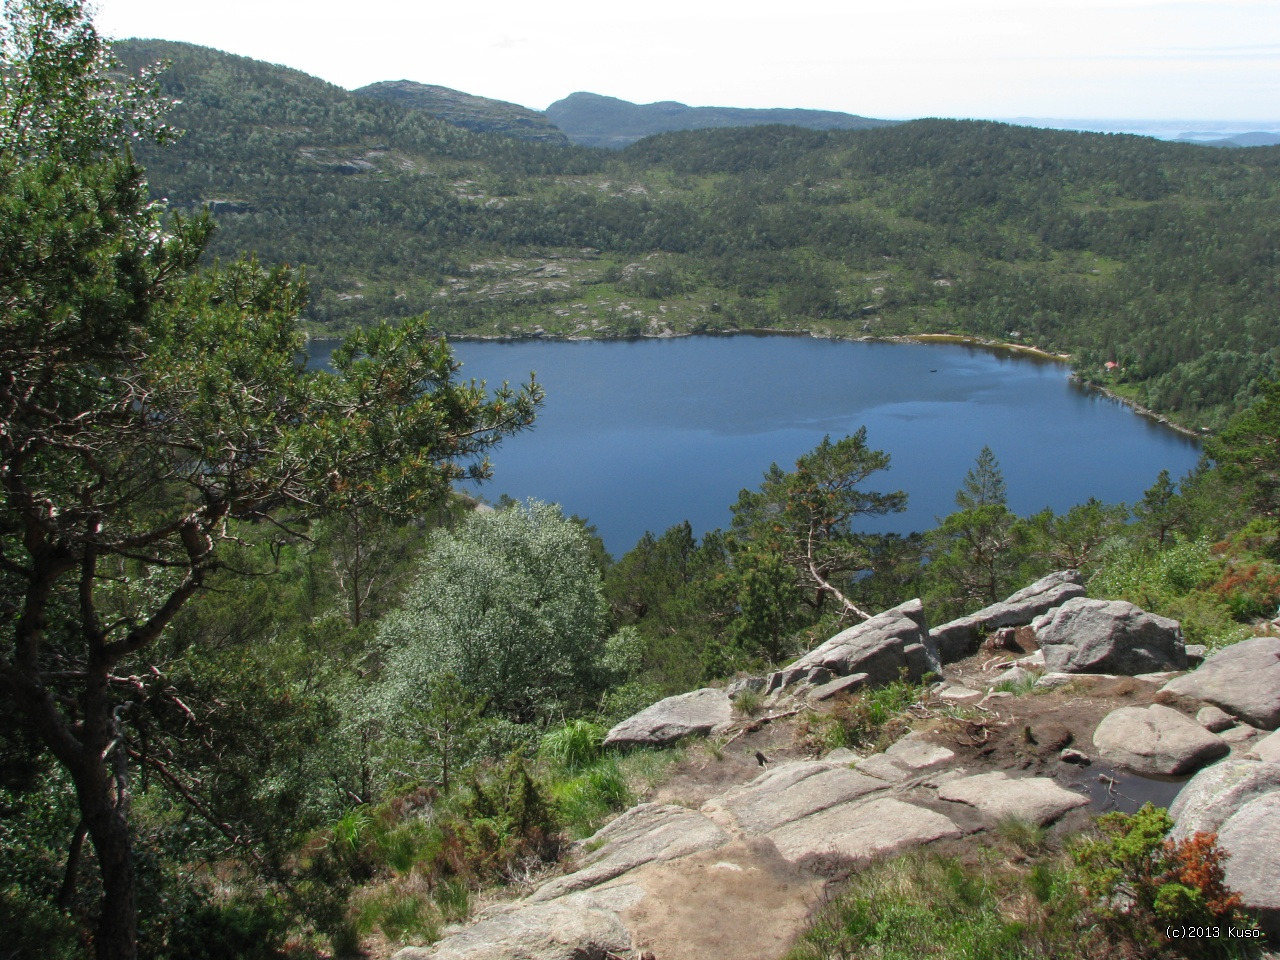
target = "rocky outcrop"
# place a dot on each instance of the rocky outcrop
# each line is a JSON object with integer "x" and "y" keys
{"x": 885, "y": 648}
{"x": 960, "y": 638}
{"x": 1216, "y": 793}
{"x": 689, "y": 714}
{"x": 1251, "y": 839}
{"x": 1156, "y": 740}
{"x": 1266, "y": 749}
{"x": 648, "y": 833}
{"x": 1243, "y": 679}
{"x": 998, "y": 796}
{"x": 877, "y": 827}
{"x": 551, "y": 931}
{"x": 1109, "y": 636}
{"x": 908, "y": 757}
{"x": 788, "y": 793}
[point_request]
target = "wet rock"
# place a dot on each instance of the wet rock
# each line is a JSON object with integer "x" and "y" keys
{"x": 1156, "y": 740}
{"x": 648, "y": 833}
{"x": 998, "y": 797}
{"x": 881, "y": 826}
{"x": 960, "y": 638}
{"x": 790, "y": 792}
{"x": 1251, "y": 838}
{"x": 1214, "y": 794}
{"x": 1071, "y": 755}
{"x": 689, "y": 714}
{"x": 550, "y": 931}
{"x": 1109, "y": 636}
{"x": 1243, "y": 679}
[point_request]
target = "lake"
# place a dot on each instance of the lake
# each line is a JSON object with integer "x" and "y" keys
{"x": 639, "y": 435}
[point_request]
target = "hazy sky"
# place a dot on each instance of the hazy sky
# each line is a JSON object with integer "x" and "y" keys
{"x": 1160, "y": 59}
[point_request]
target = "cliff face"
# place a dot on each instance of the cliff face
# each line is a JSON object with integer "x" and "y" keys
{"x": 467, "y": 110}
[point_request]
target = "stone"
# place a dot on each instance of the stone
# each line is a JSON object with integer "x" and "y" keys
{"x": 958, "y": 694}
{"x": 549, "y": 931}
{"x": 1214, "y": 719}
{"x": 1241, "y": 734}
{"x": 825, "y": 691}
{"x": 789, "y": 792}
{"x": 1006, "y": 638}
{"x": 881, "y": 826}
{"x": 1156, "y": 740}
{"x": 997, "y": 796}
{"x": 746, "y": 685}
{"x": 669, "y": 720}
{"x": 1251, "y": 838}
{"x": 1109, "y": 636}
{"x": 1196, "y": 652}
{"x": 1071, "y": 755}
{"x": 1243, "y": 679}
{"x": 647, "y": 833}
{"x": 1266, "y": 749}
{"x": 885, "y": 647}
{"x": 906, "y": 758}
{"x": 1016, "y": 677}
{"x": 960, "y": 638}
{"x": 1214, "y": 794}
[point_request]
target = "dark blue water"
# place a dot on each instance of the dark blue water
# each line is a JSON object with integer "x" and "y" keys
{"x": 639, "y": 435}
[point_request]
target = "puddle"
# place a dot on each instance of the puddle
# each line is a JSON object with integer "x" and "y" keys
{"x": 1112, "y": 789}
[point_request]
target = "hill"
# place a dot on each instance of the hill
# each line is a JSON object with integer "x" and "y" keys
{"x": 1159, "y": 258}
{"x": 595, "y": 121}
{"x": 466, "y": 110}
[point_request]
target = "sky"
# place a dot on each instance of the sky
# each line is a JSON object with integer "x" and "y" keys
{"x": 893, "y": 59}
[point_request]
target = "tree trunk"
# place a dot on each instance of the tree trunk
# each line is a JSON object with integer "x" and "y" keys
{"x": 117, "y": 935}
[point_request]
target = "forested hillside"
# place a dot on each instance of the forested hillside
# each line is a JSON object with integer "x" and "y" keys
{"x": 1158, "y": 257}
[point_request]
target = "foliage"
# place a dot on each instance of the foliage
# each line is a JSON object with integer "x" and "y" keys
{"x": 867, "y": 719}
{"x": 806, "y": 517}
{"x": 1137, "y": 882}
{"x": 1248, "y": 450}
{"x": 510, "y": 603}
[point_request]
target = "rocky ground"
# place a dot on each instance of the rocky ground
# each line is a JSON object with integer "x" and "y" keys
{"x": 730, "y": 855}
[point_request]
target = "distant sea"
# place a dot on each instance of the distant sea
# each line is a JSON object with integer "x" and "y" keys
{"x": 1160, "y": 129}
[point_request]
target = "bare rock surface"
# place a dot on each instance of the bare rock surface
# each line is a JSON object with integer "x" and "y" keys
{"x": 883, "y": 648}
{"x": 1266, "y": 749}
{"x": 1251, "y": 838}
{"x": 905, "y": 759}
{"x": 1243, "y": 679}
{"x": 881, "y": 826}
{"x": 825, "y": 691}
{"x": 1215, "y": 719}
{"x": 645, "y": 834}
{"x": 960, "y": 638}
{"x": 790, "y": 792}
{"x": 549, "y": 931}
{"x": 1213, "y": 795}
{"x": 998, "y": 796}
{"x": 1156, "y": 740}
{"x": 1109, "y": 636}
{"x": 689, "y": 714}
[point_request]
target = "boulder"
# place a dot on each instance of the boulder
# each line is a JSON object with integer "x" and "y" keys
{"x": 1213, "y": 795}
{"x": 1109, "y": 636}
{"x": 1243, "y": 679}
{"x": 960, "y": 638}
{"x": 998, "y": 797}
{"x": 884, "y": 648}
{"x": 789, "y": 792}
{"x": 1267, "y": 749}
{"x": 689, "y": 714}
{"x": 825, "y": 691}
{"x": 881, "y": 826}
{"x": 1214, "y": 719}
{"x": 1156, "y": 740}
{"x": 647, "y": 833}
{"x": 547, "y": 931}
{"x": 1251, "y": 838}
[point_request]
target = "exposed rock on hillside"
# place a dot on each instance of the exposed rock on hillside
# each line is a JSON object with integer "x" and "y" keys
{"x": 1157, "y": 740}
{"x": 689, "y": 714}
{"x": 960, "y": 638}
{"x": 1109, "y": 636}
{"x": 1243, "y": 679}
